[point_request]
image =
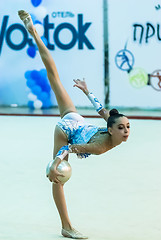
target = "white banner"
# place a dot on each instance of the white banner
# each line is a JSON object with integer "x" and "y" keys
{"x": 134, "y": 29}
{"x": 73, "y": 32}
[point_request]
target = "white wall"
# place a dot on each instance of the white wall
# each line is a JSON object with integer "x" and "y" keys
{"x": 122, "y": 15}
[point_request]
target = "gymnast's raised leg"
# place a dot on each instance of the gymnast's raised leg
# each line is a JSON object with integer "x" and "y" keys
{"x": 65, "y": 106}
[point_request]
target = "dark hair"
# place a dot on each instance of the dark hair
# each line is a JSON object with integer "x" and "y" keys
{"x": 114, "y": 114}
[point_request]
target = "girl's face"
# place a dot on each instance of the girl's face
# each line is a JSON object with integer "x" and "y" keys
{"x": 120, "y": 130}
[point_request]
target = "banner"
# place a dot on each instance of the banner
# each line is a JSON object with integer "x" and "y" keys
{"x": 134, "y": 33}
{"x": 72, "y": 31}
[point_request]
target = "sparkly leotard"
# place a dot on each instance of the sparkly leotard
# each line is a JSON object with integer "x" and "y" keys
{"x": 77, "y": 129}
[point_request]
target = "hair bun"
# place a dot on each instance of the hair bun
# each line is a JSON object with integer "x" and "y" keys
{"x": 113, "y": 112}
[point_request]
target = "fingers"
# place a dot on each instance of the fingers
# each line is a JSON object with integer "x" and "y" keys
{"x": 61, "y": 175}
{"x": 77, "y": 80}
{"x": 78, "y": 83}
{"x": 56, "y": 181}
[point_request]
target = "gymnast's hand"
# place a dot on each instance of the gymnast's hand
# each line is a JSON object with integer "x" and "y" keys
{"x": 52, "y": 173}
{"x": 81, "y": 84}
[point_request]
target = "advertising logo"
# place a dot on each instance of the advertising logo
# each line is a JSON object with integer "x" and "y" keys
{"x": 78, "y": 34}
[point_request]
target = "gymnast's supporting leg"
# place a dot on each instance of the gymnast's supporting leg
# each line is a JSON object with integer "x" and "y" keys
{"x": 58, "y": 192}
{"x": 65, "y": 106}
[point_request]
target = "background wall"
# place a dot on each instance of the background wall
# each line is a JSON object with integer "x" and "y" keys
{"x": 118, "y": 55}
{"x": 134, "y": 34}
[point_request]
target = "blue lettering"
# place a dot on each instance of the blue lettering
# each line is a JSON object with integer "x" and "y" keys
{"x": 3, "y": 29}
{"x": 8, "y": 37}
{"x": 78, "y": 35}
{"x": 136, "y": 26}
{"x": 81, "y": 33}
{"x": 54, "y": 14}
{"x": 56, "y": 36}
{"x": 158, "y": 31}
{"x": 148, "y": 35}
{"x": 150, "y": 31}
{"x": 62, "y": 14}
{"x": 9, "y": 31}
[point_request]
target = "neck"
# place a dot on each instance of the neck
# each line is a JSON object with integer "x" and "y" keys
{"x": 114, "y": 142}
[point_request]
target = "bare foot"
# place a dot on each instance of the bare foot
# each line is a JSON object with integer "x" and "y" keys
{"x": 26, "y": 18}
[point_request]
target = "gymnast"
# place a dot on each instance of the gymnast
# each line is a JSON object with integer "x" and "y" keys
{"x": 72, "y": 133}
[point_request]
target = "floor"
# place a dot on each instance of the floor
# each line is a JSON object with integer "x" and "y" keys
{"x": 114, "y": 196}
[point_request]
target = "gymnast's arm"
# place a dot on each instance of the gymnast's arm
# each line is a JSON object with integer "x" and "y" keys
{"x": 91, "y": 148}
{"x": 81, "y": 84}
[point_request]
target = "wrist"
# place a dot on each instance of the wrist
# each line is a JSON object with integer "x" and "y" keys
{"x": 55, "y": 163}
{"x": 97, "y": 105}
{"x": 71, "y": 148}
{"x": 86, "y": 92}
{"x": 63, "y": 152}
{"x": 74, "y": 148}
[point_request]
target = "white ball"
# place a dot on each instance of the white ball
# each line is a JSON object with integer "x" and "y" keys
{"x": 64, "y": 168}
{"x": 37, "y": 104}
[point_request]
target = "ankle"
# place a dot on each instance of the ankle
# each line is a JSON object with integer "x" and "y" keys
{"x": 67, "y": 226}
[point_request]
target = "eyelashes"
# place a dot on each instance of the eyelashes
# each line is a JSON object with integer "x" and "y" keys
{"x": 123, "y": 127}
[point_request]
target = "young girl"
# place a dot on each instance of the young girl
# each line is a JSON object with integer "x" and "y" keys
{"x": 84, "y": 139}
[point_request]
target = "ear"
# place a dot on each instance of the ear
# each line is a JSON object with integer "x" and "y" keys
{"x": 110, "y": 131}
